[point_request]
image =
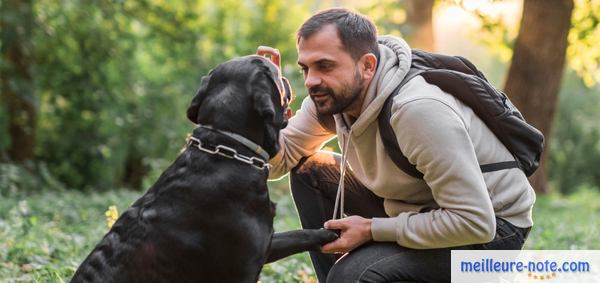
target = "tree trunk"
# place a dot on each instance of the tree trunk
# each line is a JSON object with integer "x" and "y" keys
{"x": 536, "y": 70}
{"x": 419, "y": 14}
{"x": 134, "y": 173}
{"x": 16, "y": 22}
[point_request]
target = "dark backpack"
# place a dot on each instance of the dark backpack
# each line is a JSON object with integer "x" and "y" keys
{"x": 459, "y": 77}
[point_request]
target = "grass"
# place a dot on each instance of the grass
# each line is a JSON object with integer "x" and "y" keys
{"x": 566, "y": 223}
{"x": 45, "y": 235}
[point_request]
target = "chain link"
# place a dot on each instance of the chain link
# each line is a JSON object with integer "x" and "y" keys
{"x": 230, "y": 153}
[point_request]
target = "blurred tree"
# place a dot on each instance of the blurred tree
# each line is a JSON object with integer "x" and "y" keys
{"x": 411, "y": 19}
{"x": 16, "y": 27}
{"x": 419, "y": 24}
{"x": 537, "y": 65}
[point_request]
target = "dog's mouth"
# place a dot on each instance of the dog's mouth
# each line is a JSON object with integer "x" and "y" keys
{"x": 287, "y": 115}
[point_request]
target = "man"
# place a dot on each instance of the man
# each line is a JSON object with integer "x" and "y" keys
{"x": 399, "y": 228}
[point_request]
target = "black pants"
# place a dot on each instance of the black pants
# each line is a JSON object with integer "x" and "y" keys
{"x": 314, "y": 185}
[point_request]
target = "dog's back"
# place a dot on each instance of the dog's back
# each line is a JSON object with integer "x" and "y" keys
{"x": 199, "y": 221}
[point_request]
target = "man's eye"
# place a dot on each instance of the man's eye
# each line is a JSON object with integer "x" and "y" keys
{"x": 303, "y": 70}
{"x": 325, "y": 66}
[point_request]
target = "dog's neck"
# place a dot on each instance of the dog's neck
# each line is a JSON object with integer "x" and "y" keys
{"x": 215, "y": 137}
{"x": 241, "y": 140}
{"x": 252, "y": 131}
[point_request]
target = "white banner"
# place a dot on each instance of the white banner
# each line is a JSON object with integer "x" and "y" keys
{"x": 552, "y": 266}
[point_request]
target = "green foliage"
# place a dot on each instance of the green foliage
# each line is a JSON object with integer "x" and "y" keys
{"x": 45, "y": 235}
{"x": 575, "y": 143}
{"x": 584, "y": 39}
{"x": 115, "y": 78}
{"x": 30, "y": 177}
{"x": 82, "y": 74}
{"x": 566, "y": 223}
{"x": 496, "y": 35}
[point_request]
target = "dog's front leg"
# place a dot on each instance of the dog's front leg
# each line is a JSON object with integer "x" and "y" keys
{"x": 292, "y": 242}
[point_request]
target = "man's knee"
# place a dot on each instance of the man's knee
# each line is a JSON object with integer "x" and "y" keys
{"x": 378, "y": 262}
{"x": 311, "y": 169}
{"x": 347, "y": 269}
{"x": 321, "y": 159}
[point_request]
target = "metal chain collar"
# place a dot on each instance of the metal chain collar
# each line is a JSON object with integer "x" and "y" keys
{"x": 230, "y": 153}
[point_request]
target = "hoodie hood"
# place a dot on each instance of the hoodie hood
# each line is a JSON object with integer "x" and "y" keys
{"x": 393, "y": 64}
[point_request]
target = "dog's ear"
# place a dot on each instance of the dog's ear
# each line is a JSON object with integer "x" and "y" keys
{"x": 263, "y": 92}
{"x": 192, "y": 111}
{"x": 279, "y": 81}
{"x": 289, "y": 94}
{"x": 263, "y": 105}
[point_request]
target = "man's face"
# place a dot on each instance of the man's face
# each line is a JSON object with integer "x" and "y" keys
{"x": 331, "y": 76}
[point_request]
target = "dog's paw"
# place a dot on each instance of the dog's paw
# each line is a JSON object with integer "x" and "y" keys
{"x": 320, "y": 237}
{"x": 325, "y": 236}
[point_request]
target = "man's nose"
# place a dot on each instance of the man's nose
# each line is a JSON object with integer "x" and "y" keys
{"x": 311, "y": 80}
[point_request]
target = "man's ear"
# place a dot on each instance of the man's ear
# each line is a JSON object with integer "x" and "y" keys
{"x": 192, "y": 111}
{"x": 368, "y": 65}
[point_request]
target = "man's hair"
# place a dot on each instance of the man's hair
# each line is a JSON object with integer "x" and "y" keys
{"x": 357, "y": 32}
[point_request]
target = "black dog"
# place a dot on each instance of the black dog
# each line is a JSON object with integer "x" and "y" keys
{"x": 208, "y": 218}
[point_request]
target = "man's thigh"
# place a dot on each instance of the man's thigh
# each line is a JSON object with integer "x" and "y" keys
{"x": 389, "y": 262}
{"x": 316, "y": 179}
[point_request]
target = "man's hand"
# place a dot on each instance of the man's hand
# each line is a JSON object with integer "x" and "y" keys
{"x": 273, "y": 52}
{"x": 355, "y": 231}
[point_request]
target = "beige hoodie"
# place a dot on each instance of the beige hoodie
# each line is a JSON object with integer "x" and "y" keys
{"x": 446, "y": 141}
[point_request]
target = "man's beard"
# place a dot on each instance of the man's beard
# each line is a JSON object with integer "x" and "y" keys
{"x": 338, "y": 102}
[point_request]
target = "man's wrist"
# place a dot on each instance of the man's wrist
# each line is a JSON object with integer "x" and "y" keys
{"x": 383, "y": 229}
{"x": 367, "y": 226}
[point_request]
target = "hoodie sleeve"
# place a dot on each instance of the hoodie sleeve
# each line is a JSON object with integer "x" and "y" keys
{"x": 433, "y": 136}
{"x": 303, "y": 136}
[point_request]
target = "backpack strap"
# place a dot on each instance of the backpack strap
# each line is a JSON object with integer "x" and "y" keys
{"x": 388, "y": 137}
{"x": 390, "y": 142}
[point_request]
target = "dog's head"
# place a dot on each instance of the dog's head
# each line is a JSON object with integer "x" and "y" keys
{"x": 247, "y": 96}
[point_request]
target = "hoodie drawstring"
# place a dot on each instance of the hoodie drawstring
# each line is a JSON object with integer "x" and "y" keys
{"x": 339, "y": 198}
